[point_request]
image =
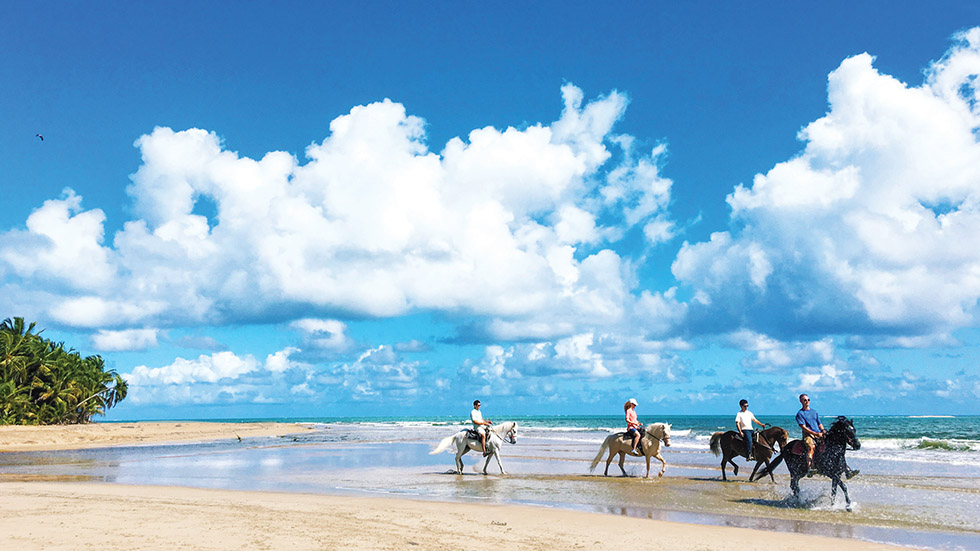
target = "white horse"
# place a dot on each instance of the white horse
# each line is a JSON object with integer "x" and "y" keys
{"x": 617, "y": 443}
{"x": 495, "y": 439}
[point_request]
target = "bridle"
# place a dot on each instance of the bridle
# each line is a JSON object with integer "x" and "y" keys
{"x": 845, "y": 428}
{"x": 765, "y": 441}
{"x": 665, "y": 438}
{"x": 511, "y": 436}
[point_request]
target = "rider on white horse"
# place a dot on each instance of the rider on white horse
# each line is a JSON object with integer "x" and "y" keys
{"x": 479, "y": 425}
{"x": 633, "y": 425}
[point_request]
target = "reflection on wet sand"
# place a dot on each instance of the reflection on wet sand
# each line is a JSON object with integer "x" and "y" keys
{"x": 920, "y": 511}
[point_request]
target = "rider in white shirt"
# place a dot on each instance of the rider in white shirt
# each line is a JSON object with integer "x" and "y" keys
{"x": 479, "y": 425}
{"x": 743, "y": 422}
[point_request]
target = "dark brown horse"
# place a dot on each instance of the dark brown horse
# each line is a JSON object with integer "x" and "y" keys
{"x": 731, "y": 444}
{"x": 829, "y": 461}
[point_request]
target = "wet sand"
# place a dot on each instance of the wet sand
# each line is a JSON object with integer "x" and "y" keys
{"x": 371, "y": 461}
{"x": 109, "y": 517}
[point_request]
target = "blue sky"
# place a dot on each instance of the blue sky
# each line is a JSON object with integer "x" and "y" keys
{"x": 257, "y": 210}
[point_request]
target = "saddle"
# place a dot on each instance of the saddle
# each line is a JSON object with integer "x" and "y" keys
{"x": 797, "y": 447}
{"x": 471, "y": 434}
{"x": 629, "y": 441}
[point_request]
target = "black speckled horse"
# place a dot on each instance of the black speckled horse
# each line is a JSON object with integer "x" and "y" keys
{"x": 829, "y": 461}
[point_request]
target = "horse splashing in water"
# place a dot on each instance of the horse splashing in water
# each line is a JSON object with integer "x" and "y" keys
{"x": 731, "y": 444}
{"x": 617, "y": 443}
{"x": 496, "y": 436}
{"x": 829, "y": 461}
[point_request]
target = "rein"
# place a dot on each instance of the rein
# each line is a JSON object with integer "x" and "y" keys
{"x": 766, "y": 444}
{"x": 660, "y": 438}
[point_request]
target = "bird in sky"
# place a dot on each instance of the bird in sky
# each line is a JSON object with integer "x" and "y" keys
{"x": 40, "y": 136}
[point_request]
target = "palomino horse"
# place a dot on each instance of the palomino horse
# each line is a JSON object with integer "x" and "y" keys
{"x": 495, "y": 439}
{"x": 828, "y": 462}
{"x": 731, "y": 444}
{"x": 617, "y": 443}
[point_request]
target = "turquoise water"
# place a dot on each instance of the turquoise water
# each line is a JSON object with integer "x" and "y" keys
{"x": 896, "y": 433}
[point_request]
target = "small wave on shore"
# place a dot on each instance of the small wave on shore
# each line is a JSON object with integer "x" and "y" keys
{"x": 922, "y": 443}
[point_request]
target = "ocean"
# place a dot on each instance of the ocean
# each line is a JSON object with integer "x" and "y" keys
{"x": 919, "y": 483}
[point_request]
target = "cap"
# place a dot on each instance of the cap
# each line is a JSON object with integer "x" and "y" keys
{"x": 632, "y": 401}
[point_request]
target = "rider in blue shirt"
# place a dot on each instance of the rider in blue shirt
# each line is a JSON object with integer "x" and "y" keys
{"x": 809, "y": 421}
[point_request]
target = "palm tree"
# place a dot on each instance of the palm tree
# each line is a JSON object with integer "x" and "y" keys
{"x": 42, "y": 382}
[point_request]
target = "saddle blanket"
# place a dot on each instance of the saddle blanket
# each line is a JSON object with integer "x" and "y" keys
{"x": 799, "y": 448}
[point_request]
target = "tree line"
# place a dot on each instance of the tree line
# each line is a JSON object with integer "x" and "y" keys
{"x": 43, "y": 383}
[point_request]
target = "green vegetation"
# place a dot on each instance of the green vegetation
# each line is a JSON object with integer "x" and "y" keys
{"x": 42, "y": 383}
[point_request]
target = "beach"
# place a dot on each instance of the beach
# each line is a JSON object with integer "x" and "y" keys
{"x": 313, "y": 484}
{"x": 66, "y": 437}
{"x": 55, "y": 516}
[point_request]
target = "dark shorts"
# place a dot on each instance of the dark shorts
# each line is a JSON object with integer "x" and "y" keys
{"x": 630, "y": 433}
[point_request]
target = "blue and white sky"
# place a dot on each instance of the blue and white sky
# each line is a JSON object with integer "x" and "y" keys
{"x": 260, "y": 210}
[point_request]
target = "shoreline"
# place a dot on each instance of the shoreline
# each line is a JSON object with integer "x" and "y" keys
{"x": 67, "y": 515}
{"x": 31, "y": 438}
{"x": 642, "y": 512}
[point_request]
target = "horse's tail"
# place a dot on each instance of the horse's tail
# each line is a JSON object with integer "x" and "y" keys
{"x": 598, "y": 456}
{"x": 443, "y": 445}
{"x": 716, "y": 443}
{"x": 772, "y": 466}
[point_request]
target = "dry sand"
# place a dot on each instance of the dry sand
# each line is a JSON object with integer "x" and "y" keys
{"x": 106, "y": 517}
{"x": 97, "y": 435}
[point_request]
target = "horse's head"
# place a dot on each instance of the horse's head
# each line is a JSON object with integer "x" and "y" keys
{"x": 507, "y": 431}
{"x": 843, "y": 429}
{"x": 512, "y": 434}
{"x": 661, "y": 431}
{"x": 779, "y": 436}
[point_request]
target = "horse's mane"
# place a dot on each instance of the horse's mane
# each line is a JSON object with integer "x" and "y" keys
{"x": 499, "y": 429}
{"x": 664, "y": 427}
{"x": 840, "y": 424}
{"x": 778, "y": 430}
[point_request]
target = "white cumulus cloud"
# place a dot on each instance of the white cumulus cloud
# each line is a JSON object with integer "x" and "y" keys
{"x": 127, "y": 339}
{"x": 871, "y": 229}
{"x": 502, "y": 223}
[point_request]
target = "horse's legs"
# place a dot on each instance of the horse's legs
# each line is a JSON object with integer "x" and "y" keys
{"x": 608, "y": 461}
{"x": 724, "y": 459}
{"x": 460, "y": 452}
{"x": 648, "y": 466}
{"x": 836, "y": 481}
{"x": 499, "y": 464}
{"x": 756, "y": 469}
{"x": 730, "y": 459}
{"x": 622, "y": 457}
{"x": 663, "y": 468}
